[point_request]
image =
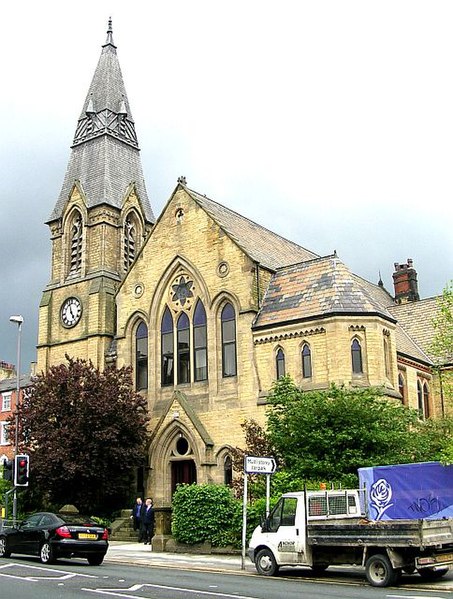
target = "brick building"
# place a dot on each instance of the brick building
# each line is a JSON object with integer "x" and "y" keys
{"x": 8, "y": 394}
{"x": 207, "y": 306}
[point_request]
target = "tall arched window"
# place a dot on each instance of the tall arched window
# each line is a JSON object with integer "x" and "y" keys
{"x": 420, "y": 398}
{"x": 426, "y": 400}
{"x": 75, "y": 262}
{"x": 183, "y": 341}
{"x": 387, "y": 357}
{"x": 306, "y": 361}
{"x": 228, "y": 319}
{"x": 356, "y": 356}
{"x": 167, "y": 348}
{"x": 200, "y": 343}
{"x": 402, "y": 387}
{"x": 141, "y": 357}
{"x": 228, "y": 471}
{"x": 280, "y": 363}
{"x": 129, "y": 241}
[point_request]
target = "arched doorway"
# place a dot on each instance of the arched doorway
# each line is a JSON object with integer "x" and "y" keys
{"x": 183, "y": 472}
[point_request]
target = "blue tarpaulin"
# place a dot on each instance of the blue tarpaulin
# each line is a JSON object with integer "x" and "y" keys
{"x": 413, "y": 491}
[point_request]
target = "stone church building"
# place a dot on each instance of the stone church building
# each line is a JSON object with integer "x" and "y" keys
{"x": 208, "y": 307}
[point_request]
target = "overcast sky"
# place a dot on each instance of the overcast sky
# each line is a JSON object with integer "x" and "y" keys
{"x": 329, "y": 122}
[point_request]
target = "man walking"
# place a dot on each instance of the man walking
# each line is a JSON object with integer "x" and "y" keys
{"x": 148, "y": 521}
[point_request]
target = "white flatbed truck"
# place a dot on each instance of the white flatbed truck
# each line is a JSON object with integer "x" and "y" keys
{"x": 318, "y": 529}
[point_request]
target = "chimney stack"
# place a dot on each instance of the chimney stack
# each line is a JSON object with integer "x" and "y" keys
{"x": 405, "y": 283}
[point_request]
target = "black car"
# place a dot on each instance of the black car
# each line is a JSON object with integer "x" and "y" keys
{"x": 51, "y": 536}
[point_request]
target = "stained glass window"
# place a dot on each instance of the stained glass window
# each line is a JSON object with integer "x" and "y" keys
{"x": 200, "y": 342}
{"x": 183, "y": 328}
{"x": 167, "y": 348}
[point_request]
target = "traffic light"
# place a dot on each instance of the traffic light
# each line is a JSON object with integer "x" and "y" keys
{"x": 21, "y": 466}
{"x": 8, "y": 470}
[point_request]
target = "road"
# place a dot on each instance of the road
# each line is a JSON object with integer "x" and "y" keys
{"x": 26, "y": 578}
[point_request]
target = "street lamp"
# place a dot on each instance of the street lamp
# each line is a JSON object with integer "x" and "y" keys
{"x": 18, "y": 320}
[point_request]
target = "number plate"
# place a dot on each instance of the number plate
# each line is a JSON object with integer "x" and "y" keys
{"x": 87, "y": 535}
{"x": 445, "y": 557}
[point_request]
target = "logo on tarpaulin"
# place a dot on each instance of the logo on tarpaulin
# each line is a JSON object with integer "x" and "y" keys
{"x": 381, "y": 496}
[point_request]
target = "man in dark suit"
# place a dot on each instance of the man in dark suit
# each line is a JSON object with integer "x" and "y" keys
{"x": 148, "y": 521}
{"x": 137, "y": 517}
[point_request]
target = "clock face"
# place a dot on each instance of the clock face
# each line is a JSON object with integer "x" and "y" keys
{"x": 71, "y": 311}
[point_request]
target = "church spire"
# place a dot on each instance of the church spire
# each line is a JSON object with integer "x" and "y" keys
{"x": 105, "y": 155}
{"x": 109, "y": 40}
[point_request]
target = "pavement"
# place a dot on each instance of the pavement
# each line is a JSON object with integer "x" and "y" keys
{"x": 142, "y": 555}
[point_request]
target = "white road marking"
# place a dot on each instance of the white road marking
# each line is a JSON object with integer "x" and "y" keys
{"x": 139, "y": 587}
{"x": 63, "y": 574}
{"x": 414, "y": 597}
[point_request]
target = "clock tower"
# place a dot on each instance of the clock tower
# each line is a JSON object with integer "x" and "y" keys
{"x": 100, "y": 220}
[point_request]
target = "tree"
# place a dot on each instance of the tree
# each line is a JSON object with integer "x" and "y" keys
{"x": 442, "y": 345}
{"x": 327, "y": 435}
{"x": 85, "y": 431}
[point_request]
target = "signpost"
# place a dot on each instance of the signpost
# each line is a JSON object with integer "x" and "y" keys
{"x": 255, "y": 465}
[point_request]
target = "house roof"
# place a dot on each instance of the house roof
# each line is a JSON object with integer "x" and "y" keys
{"x": 263, "y": 246}
{"x": 10, "y": 384}
{"x": 317, "y": 288}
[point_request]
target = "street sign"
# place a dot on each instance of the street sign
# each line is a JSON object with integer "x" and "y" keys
{"x": 255, "y": 465}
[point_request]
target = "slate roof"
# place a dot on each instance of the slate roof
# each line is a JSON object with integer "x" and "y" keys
{"x": 417, "y": 319}
{"x": 105, "y": 167}
{"x": 263, "y": 246}
{"x": 105, "y": 157}
{"x": 317, "y": 288}
{"x": 10, "y": 384}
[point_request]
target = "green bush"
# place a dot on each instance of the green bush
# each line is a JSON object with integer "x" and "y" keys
{"x": 204, "y": 513}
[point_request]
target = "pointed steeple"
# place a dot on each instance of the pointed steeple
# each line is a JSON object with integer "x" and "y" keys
{"x": 105, "y": 156}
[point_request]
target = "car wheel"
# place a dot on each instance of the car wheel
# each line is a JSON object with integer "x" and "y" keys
{"x": 46, "y": 553}
{"x": 380, "y": 572}
{"x": 430, "y": 574}
{"x": 95, "y": 560}
{"x": 3, "y": 548}
{"x": 265, "y": 563}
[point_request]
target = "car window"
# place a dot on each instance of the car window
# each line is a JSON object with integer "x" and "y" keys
{"x": 47, "y": 520}
{"x": 32, "y": 521}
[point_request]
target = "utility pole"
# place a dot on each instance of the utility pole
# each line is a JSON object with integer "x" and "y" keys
{"x": 18, "y": 320}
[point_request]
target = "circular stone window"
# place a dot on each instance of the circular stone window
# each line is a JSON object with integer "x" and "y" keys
{"x": 138, "y": 290}
{"x": 182, "y": 446}
{"x": 223, "y": 269}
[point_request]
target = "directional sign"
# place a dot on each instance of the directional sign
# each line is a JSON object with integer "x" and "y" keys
{"x": 254, "y": 465}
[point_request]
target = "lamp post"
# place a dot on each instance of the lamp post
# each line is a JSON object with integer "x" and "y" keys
{"x": 18, "y": 320}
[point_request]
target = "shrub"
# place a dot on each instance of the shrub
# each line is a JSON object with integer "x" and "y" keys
{"x": 204, "y": 513}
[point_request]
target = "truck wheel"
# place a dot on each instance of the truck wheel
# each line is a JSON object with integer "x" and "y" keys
{"x": 265, "y": 563}
{"x": 379, "y": 571}
{"x": 430, "y": 574}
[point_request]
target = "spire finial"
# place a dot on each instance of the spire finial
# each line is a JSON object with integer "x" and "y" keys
{"x": 109, "y": 41}
{"x": 380, "y": 282}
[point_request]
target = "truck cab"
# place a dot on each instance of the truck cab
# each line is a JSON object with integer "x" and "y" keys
{"x": 282, "y": 538}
